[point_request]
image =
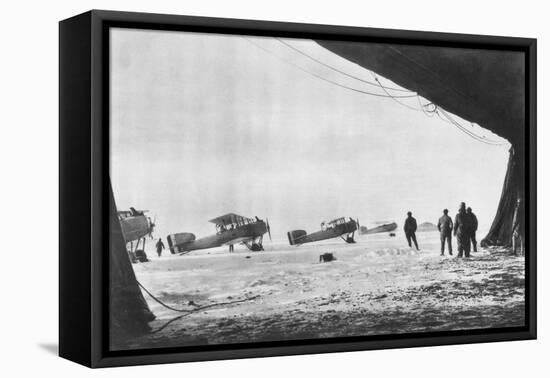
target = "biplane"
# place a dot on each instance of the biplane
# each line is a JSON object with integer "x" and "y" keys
{"x": 135, "y": 226}
{"x": 231, "y": 229}
{"x": 378, "y": 228}
{"x": 333, "y": 229}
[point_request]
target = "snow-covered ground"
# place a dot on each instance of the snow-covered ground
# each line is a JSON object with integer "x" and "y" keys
{"x": 377, "y": 286}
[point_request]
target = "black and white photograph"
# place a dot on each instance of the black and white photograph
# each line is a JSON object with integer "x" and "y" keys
{"x": 244, "y": 189}
{"x": 274, "y": 189}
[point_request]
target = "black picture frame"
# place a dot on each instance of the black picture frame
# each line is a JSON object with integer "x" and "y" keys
{"x": 84, "y": 188}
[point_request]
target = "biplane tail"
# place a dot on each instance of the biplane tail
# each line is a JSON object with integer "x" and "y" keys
{"x": 176, "y": 241}
{"x": 294, "y": 237}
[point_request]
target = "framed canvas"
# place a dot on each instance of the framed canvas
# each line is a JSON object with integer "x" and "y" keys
{"x": 235, "y": 188}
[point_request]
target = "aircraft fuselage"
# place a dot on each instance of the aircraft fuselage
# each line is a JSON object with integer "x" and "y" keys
{"x": 228, "y": 237}
{"x": 135, "y": 227}
{"x": 299, "y": 237}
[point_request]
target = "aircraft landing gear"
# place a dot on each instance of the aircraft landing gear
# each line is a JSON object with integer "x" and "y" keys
{"x": 350, "y": 238}
{"x": 255, "y": 245}
{"x": 141, "y": 256}
{"x": 137, "y": 254}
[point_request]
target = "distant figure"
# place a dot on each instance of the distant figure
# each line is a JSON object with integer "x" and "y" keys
{"x": 445, "y": 227}
{"x": 410, "y": 229}
{"x": 472, "y": 219}
{"x": 518, "y": 229}
{"x": 462, "y": 231}
{"x": 160, "y": 246}
{"x": 257, "y": 219}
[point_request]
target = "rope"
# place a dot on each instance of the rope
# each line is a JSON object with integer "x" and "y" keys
{"x": 449, "y": 119}
{"x": 427, "y": 113}
{"x": 436, "y": 109}
{"x": 325, "y": 79}
{"x": 169, "y": 322}
{"x": 394, "y": 98}
{"x": 470, "y": 133}
{"x": 337, "y": 70}
{"x": 195, "y": 309}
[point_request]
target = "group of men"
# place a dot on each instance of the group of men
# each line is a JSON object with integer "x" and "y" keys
{"x": 464, "y": 228}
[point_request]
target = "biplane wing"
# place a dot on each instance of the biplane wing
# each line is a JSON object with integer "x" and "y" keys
{"x": 131, "y": 213}
{"x": 230, "y": 218}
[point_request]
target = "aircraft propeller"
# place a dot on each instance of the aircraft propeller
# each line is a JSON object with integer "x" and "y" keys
{"x": 268, "y": 228}
{"x": 356, "y": 221}
{"x": 152, "y": 226}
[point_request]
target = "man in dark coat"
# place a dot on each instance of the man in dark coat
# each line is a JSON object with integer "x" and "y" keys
{"x": 160, "y": 247}
{"x": 462, "y": 231}
{"x": 472, "y": 219}
{"x": 410, "y": 229}
{"x": 445, "y": 227}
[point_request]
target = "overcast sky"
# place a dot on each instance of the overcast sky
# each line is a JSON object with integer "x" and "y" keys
{"x": 202, "y": 125}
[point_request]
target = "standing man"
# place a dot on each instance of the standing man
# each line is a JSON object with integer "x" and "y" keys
{"x": 160, "y": 247}
{"x": 445, "y": 227}
{"x": 410, "y": 229}
{"x": 473, "y": 223}
{"x": 462, "y": 231}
